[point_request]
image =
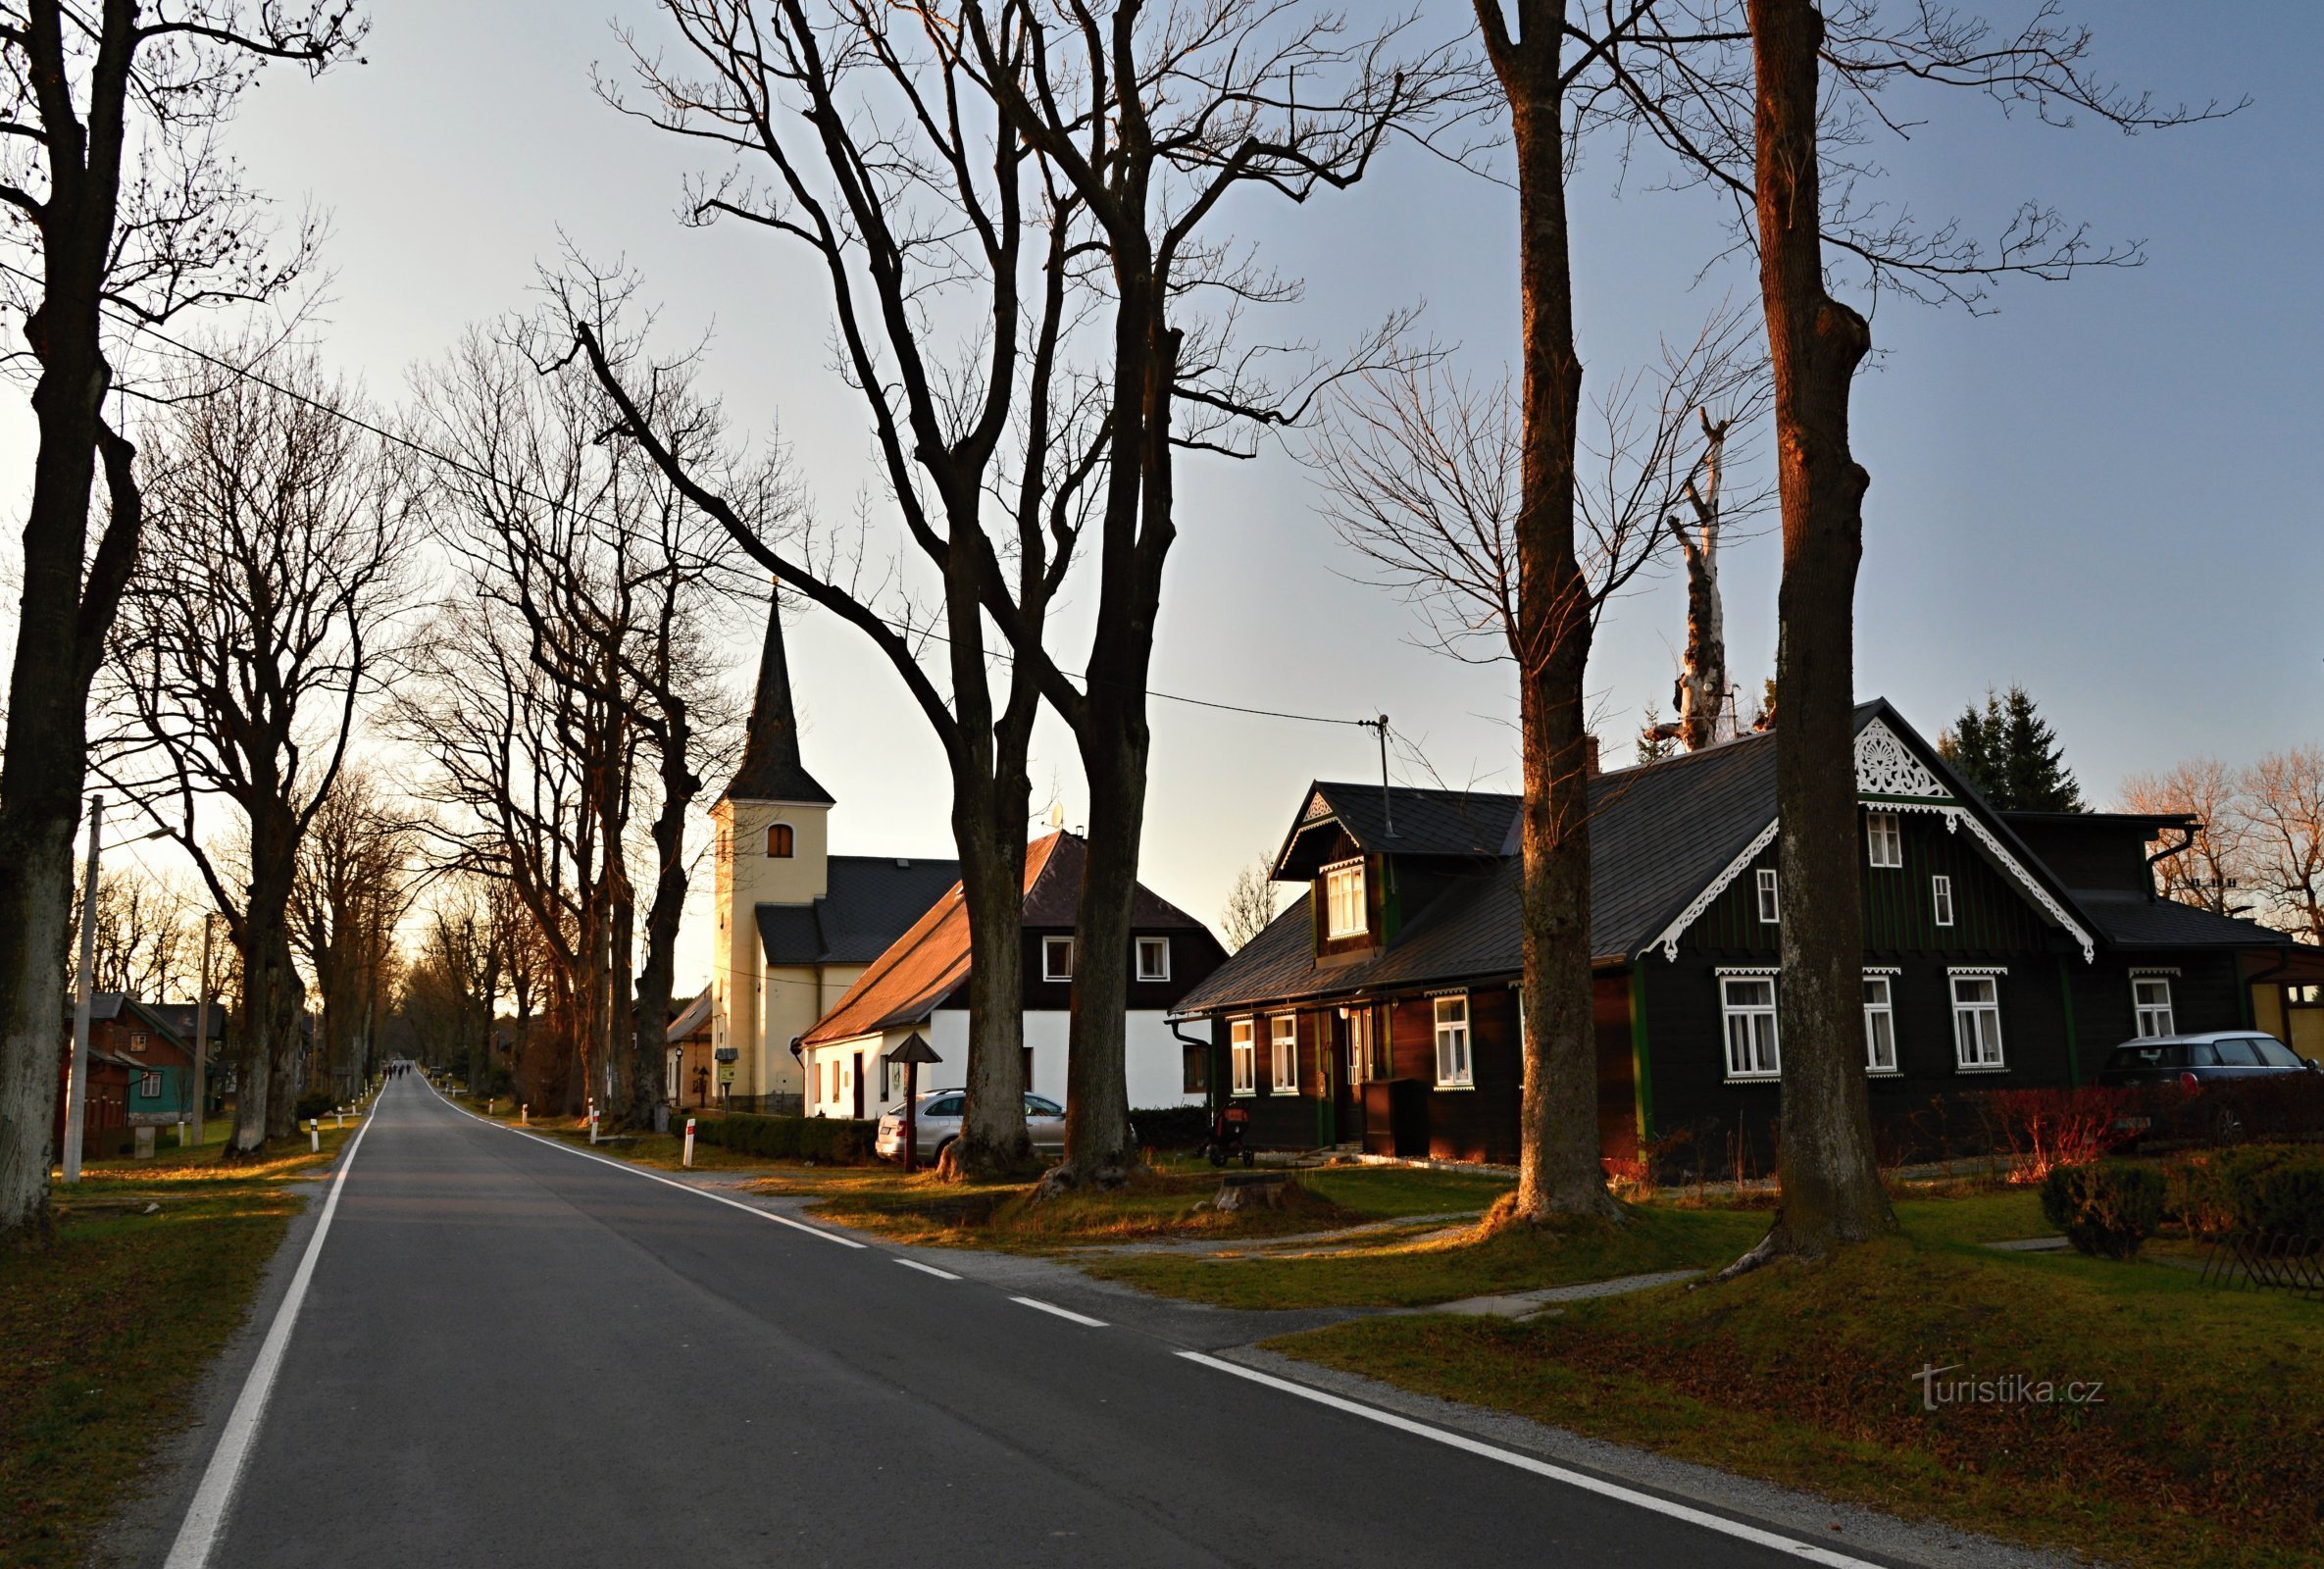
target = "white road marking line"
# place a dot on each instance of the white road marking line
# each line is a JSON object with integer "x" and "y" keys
{"x": 683, "y": 1187}
{"x": 1809, "y": 1552}
{"x": 205, "y": 1517}
{"x": 1061, "y": 1312}
{"x": 925, "y": 1269}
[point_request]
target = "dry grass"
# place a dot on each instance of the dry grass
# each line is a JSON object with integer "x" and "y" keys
{"x": 2205, "y": 1449}
{"x": 104, "y": 1333}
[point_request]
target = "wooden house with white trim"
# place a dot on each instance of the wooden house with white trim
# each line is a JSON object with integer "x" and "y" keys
{"x": 2001, "y": 949}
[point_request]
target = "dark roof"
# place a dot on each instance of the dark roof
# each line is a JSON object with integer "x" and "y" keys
{"x": 924, "y": 965}
{"x": 1657, "y": 833}
{"x": 1660, "y": 833}
{"x": 872, "y": 899}
{"x": 1408, "y": 820}
{"x": 178, "y": 1018}
{"x": 2130, "y": 921}
{"x": 771, "y": 769}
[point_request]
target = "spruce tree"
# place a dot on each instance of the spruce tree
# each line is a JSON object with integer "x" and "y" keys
{"x": 2013, "y": 756}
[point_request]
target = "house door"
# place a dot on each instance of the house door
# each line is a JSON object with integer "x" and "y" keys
{"x": 1355, "y": 1066}
{"x": 859, "y": 1086}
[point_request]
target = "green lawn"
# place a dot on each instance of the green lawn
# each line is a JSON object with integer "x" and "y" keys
{"x": 2207, "y": 1446}
{"x": 104, "y": 1333}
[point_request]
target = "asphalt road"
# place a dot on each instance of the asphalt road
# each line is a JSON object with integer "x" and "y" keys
{"x": 512, "y": 1355}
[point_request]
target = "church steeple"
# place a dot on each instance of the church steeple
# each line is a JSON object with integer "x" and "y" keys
{"x": 771, "y": 769}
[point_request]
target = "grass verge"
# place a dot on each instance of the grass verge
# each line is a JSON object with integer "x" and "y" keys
{"x": 1401, "y": 1269}
{"x": 104, "y": 1334}
{"x": 2201, "y": 1444}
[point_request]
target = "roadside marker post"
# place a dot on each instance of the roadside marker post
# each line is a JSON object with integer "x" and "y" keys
{"x": 315, "y": 1134}
{"x": 689, "y": 1141}
{"x": 524, "y": 1111}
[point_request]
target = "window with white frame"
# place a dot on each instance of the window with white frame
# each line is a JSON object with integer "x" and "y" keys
{"x": 1241, "y": 1057}
{"x": 1880, "y": 1026}
{"x": 1453, "y": 1066}
{"x": 1940, "y": 900}
{"x": 1153, "y": 958}
{"x": 1884, "y": 839}
{"x": 1344, "y": 900}
{"x": 1282, "y": 1054}
{"x": 1360, "y": 1032}
{"x": 1977, "y": 1021}
{"x": 1769, "y": 911}
{"x": 2152, "y": 994}
{"x": 1748, "y": 1005}
{"x": 150, "y": 1087}
{"x": 1056, "y": 958}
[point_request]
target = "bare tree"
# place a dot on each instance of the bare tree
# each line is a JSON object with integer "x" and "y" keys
{"x": 357, "y": 877}
{"x": 257, "y": 624}
{"x": 2279, "y": 821}
{"x": 119, "y": 197}
{"x": 147, "y": 935}
{"x": 2204, "y": 868}
{"x": 856, "y": 133}
{"x": 1250, "y": 906}
{"x": 1426, "y": 479}
{"x": 1774, "y": 105}
{"x": 1160, "y": 119}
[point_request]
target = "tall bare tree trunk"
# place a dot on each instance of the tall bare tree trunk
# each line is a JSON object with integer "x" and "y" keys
{"x": 1558, "y": 1156}
{"x": 1702, "y": 696}
{"x": 992, "y": 886}
{"x": 1830, "y": 1181}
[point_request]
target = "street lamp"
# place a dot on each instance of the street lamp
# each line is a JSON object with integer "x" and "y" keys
{"x": 77, "y": 1087}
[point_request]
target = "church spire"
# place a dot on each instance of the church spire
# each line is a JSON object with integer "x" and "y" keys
{"x": 771, "y": 770}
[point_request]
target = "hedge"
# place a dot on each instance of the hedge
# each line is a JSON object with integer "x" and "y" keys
{"x": 834, "y": 1140}
{"x": 2105, "y": 1210}
{"x": 1171, "y": 1126}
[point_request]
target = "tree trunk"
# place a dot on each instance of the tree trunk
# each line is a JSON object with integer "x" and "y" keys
{"x": 650, "y": 1052}
{"x": 1558, "y": 1157}
{"x": 45, "y": 761}
{"x": 1098, "y": 1148}
{"x": 993, "y": 1137}
{"x": 1825, "y": 1163}
{"x": 1702, "y": 682}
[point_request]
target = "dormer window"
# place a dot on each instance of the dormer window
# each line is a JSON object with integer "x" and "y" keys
{"x": 778, "y": 842}
{"x": 1344, "y": 900}
{"x": 1056, "y": 958}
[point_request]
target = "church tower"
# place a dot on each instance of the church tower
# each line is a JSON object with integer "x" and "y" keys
{"x": 773, "y": 851}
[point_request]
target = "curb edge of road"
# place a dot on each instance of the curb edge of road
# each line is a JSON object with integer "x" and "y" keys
{"x": 142, "y": 1528}
{"x": 1791, "y": 1512}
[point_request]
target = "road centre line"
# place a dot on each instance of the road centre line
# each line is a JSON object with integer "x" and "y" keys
{"x": 1807, "y": 1551}
{"x": 925, "y": 1269}
{"x": 214, "y": 1495}
{"x": 634, "y": 1171}
{"x": 1061, "y": 1312}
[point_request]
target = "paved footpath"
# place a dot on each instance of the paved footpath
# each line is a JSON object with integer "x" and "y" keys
{"x": 511, "y": 1352}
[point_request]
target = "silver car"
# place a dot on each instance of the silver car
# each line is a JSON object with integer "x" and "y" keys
{"x": 937, "y": 1123}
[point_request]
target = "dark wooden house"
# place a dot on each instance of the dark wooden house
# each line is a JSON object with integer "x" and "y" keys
{"x": 2000, "y": 950}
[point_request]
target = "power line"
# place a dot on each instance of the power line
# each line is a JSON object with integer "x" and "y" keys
{"x": 906, "y": 629}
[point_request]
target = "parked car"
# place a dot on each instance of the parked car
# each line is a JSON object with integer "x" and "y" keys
{"x": 936, "y": 1123}
{"x": 2217, "y": 1056}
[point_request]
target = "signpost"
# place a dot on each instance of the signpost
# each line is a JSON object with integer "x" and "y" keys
{"x": 912, "y": 1053}
{"x": 689, "y": 1141}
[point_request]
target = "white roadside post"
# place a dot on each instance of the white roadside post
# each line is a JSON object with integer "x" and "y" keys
{"x": 76, "y": 1088}
{"x": 315, "y": 1134}
{"x": 689, "y": 1141}
{"x": 524, "y": 1111}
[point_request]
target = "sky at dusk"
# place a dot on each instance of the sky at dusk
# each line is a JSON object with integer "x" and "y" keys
{"x": 2104, "y": 489}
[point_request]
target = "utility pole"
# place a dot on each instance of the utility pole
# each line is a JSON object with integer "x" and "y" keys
{"x": 201, "y": 1063}
{"x": 77, "y": 1090}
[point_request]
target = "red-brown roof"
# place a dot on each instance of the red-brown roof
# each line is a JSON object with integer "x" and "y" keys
{"x": 921, "y": 967}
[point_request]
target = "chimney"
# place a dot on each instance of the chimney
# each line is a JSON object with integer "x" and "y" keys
{"x": 1590, "y": 769}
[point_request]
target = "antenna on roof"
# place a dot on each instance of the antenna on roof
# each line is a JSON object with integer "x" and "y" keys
{"x": 1387, "y": 812}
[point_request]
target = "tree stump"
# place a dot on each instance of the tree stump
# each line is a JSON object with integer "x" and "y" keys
{"x": 1254, "y": 1190}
